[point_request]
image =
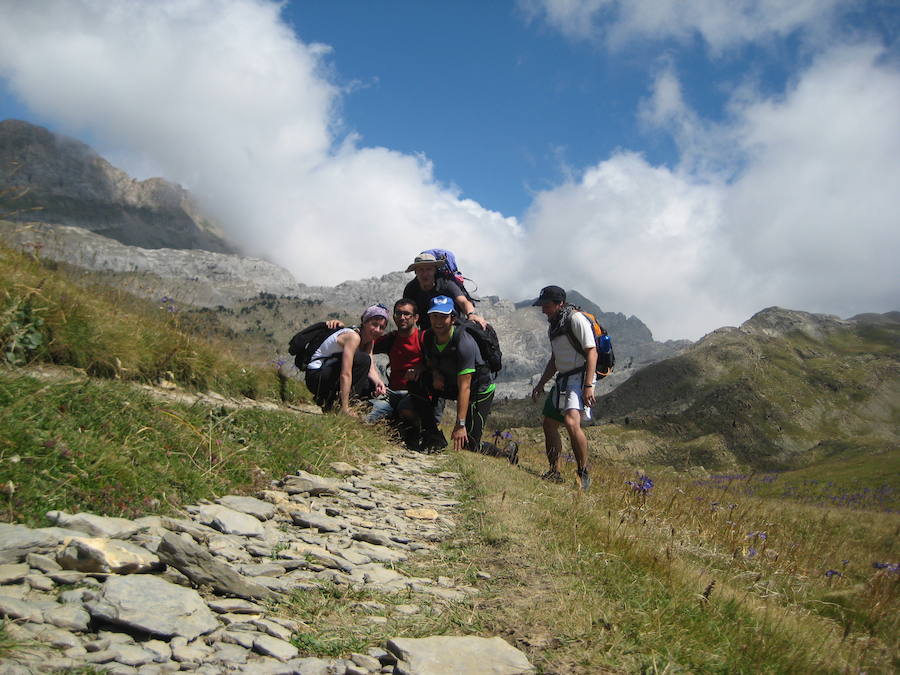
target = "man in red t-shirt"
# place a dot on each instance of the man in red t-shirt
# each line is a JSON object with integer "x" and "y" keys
{"x": 404, "y": 349}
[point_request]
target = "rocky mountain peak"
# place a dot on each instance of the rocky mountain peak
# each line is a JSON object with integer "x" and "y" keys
{"x": 779, "y": 322}
{"x": 54, "y": 179}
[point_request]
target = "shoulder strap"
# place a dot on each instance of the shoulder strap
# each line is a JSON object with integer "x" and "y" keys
{"x": 570, "y": 333}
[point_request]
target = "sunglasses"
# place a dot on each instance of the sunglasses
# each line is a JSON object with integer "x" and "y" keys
{"x": 400, "y": 312}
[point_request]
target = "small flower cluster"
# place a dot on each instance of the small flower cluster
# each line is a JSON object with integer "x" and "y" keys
{"x": 832, "y": 573}
{"x": 168, "y": 303}
{"x": 505, "y": 435}
{"x": 643, "y": 485}
{"x": 762, "y": 536}
{"x": 890, "y": 567}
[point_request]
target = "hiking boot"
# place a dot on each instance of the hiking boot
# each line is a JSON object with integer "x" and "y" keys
{"x": 433, "y": 442}
{"x": 553, "y": 476}
{"x": 512, "y": 453}
{"x": 584, "y": 479}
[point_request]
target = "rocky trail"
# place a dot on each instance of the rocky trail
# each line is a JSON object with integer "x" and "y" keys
{"x": 200, "y": 593}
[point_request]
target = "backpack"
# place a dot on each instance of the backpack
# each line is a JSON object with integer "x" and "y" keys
{"x": 450, "y": 270}
{"x": 485, "y": 338}
{"x": 606, "y": 358}
{"x": 488, "y": 344}
{"x": 305, "y": 343}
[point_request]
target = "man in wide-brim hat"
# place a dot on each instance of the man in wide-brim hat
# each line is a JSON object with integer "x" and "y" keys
{"x": 428, "y": 285}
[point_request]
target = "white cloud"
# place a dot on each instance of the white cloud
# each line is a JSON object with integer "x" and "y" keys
{"x": 721, "y": 25}
{"x": 638, "y": 237}
{"x": 221, "y": 96}
{"x": 791, "y": 200}
{"x": 807, "y": 221}
{"x": 814, "y": 214}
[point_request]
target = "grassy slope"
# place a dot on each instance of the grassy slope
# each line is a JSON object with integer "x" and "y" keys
{"x": 772, "y": 403}
{"x": 616, "y": 580}
{"x": 101, "y": 444}
{"x": 607, "y": 581}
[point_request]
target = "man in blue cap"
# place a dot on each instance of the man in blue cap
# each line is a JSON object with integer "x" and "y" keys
{"x": 573, "y": 360}
{"x": 454, "y": 370}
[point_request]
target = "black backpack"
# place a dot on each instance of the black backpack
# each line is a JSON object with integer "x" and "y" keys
{"x": 485, "y": 338}
{"x": 305, "y": 343}
{"x": 488, "y": 344}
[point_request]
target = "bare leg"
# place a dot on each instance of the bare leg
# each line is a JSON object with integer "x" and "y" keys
{"x": 576, "y": 435}
{"x": 552, "y": 442}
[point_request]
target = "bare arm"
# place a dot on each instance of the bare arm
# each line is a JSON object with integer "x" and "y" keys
{"x": 459, "y": 435}
{"x": 590, "y": 368}
{"x": 350, "y": 342}
{"x": 469, "y": 310}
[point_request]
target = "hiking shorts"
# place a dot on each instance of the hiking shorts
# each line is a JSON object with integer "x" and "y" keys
{"x": 566, "y": 394}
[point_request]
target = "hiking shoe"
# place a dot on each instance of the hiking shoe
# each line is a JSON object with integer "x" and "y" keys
{"x": 553, "y": 476}
{"x": 584, "y": 479}
{"x": 433, "y": 442}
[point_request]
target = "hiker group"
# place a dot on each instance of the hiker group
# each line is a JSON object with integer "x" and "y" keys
{"x": 442, "y": 350}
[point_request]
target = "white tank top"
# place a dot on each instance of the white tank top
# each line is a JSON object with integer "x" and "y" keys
{"x": 327, "y": 349}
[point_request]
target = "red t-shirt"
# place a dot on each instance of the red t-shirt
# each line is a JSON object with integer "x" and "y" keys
{"x": 404, "y": 352}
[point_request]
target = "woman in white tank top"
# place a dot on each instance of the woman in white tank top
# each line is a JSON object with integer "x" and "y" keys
{"x": 343, "y": 366}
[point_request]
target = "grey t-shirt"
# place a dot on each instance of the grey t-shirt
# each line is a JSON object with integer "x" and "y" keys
{"x": 458, "y": 357}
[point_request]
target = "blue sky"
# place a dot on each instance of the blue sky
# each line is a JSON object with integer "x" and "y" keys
{"x": 690, "y": 163}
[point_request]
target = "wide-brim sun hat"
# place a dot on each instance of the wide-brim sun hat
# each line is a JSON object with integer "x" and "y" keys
{"x": 441, "y": 305}
{"x": 424, "y": 260}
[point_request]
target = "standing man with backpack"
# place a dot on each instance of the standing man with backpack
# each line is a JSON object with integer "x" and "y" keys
{"x": 454, "y": 370}
{"x": 428, "y": 285}
{"x": 573, "y": 359}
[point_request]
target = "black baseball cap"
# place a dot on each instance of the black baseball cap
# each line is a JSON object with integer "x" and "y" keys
{"x": 550, "y": 294}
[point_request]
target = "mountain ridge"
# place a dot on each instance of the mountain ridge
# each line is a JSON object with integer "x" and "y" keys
{"x": 56, "y": 179}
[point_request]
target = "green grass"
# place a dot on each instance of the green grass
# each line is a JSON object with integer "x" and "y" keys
{"x": 695, "y": 578}
{"x": 108, "y": 447}
{"x": 46, "y": 318}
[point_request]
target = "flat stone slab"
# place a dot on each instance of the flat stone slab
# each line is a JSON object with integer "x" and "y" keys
{"x": 94, "y": 525}
{"x": 445, "y": 654}
{"x": 421, "y": 514}
{"x": 14, "y": 573}
{"x": 345, "y": 469}
{"x": 17, "y": 541}
{"x": 311, "y": 484}
{"x": 229, "y": 521}
{"x": 318, "y": 521}
{"x": 96, "y": 554}
{"x": 150, "y": 604}
{"x": 249, "y": 505}
{"x": 199, "y": 565}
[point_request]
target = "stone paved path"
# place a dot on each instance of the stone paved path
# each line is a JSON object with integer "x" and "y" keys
{"x": 164, "y": 594}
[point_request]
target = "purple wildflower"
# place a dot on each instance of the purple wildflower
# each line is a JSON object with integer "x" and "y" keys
{"x": 643, "y": 485}
{"x": 833, "y": 573}
{"x": 751, "y": 552}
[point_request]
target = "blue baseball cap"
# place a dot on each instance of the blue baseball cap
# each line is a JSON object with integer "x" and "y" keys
{"x": 441, "y": 305}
